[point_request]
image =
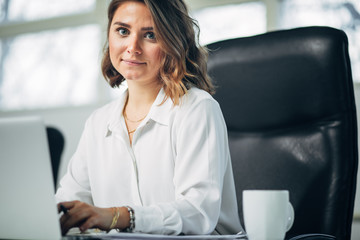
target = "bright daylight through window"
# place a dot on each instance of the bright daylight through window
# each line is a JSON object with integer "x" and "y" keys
{"x": 28, "y": 10}
{"x": 231, "y": 21}
{"x": 341, "y": 14}
{"x": 47, "y": 68}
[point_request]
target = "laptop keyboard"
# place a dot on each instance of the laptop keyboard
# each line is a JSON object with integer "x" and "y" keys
{"x": 81, "y": 237}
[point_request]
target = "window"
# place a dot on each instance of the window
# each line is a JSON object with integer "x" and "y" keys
{"x": 230, "y": 21}
{"x": 50, "y": 53}
{"x": 341, "y": 14}
{"x": 258, "y": 16}
{"x": 50, "y": 68}
{"x": 25, "y": 10}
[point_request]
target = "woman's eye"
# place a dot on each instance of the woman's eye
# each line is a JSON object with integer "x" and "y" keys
{"x": 123, "y": 31}
{"x": 150, "y": 35}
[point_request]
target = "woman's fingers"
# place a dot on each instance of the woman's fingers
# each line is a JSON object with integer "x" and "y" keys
{"x": 66, "y": 205}
{"x": 84, "y": 216}
{"x": 73, "y": 218}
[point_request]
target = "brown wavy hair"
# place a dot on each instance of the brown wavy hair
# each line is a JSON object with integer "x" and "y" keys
{"x": 184, "y": 63}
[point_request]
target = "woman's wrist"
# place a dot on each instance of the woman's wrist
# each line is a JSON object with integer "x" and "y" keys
{"x": 115, "y": 219}
{"x": 124, "y": 222}
{"x": 132, "y": 219}
{"x": 123, "y": 219}
{"x": 120, "y": 218}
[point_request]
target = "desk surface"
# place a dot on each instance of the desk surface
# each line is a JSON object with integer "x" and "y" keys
{"x": 137, "y": 236}
{"x": 140, "y": 236}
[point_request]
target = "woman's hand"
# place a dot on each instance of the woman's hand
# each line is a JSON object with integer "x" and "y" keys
{"x": 86, "y": 216}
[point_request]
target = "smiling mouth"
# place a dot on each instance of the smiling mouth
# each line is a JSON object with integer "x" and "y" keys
{"x": 133, "y": 62}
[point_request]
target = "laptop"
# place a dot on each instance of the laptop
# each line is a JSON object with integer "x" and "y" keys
{"x": 27, "y": 203}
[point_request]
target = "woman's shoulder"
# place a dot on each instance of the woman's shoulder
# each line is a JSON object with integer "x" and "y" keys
{"x": 195, "y": 96}
{"x": 196, "y": 102}
{"x": 197, "y": 106}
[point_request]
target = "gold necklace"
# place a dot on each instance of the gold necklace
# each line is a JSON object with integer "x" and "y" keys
{"x": 125, "y": 115}
{"x": 133, "y": 121}
{"x": 127, "y": 119}
{"x": 127, "y": 128}
{"x": 132, "y": 131}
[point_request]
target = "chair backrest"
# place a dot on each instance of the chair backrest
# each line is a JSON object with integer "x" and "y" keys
{"x": 288, "y": 101}
{"x": 56, "y": 146}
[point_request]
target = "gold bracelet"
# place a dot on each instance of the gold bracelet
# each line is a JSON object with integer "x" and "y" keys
{"x": 115, "y": 218}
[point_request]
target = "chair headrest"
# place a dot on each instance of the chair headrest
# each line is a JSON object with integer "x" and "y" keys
{"x": 281, "y": 78}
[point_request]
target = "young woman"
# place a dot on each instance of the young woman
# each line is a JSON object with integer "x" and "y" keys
{"x": 156, "y": 160}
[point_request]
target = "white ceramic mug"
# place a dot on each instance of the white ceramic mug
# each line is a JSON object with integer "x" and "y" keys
{"x": 268, "y": 214}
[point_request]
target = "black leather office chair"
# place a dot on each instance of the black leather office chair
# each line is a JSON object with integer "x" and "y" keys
{"x": 56, "y": 146}
{"x": 288, "y": 101}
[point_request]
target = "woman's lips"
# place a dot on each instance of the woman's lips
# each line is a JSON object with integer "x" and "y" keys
{"x": 133, "y": 62}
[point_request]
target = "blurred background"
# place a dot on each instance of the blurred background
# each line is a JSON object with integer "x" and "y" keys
{"x": 50, "y": 52}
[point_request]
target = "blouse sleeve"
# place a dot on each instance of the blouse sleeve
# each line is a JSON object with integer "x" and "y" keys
{"x": 75, "y": 184}
{"x": 202, "y": 157}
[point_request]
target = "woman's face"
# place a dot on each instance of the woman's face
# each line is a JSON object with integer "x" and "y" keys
{"x": 134, "y": 50}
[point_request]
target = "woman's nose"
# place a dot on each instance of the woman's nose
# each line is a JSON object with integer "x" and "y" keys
{"x": 134, "y": 46}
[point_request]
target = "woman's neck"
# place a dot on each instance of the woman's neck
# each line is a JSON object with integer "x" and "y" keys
{"x": 137, "y": 106}
{"x": 141, "y": 97}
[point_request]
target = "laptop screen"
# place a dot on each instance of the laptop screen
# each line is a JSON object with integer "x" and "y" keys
{"x": 28, "y": 207}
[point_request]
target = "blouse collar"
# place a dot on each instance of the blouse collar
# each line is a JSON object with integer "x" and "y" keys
{"x": 159, "y": 111}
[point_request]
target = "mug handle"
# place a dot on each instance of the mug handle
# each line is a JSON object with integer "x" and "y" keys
{"x": 291, "y": 216}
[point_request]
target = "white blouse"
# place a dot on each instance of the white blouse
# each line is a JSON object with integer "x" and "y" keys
{"x": 176, "y": 175}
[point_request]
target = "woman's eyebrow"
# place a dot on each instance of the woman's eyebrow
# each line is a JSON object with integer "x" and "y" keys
{"x": 147, "y": 29}
{"x": 122, "y": 24}
{"x": 128, "y": 26}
